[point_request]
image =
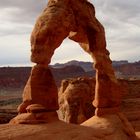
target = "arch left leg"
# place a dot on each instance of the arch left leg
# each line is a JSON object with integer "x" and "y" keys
{"x": 48, "y": 34}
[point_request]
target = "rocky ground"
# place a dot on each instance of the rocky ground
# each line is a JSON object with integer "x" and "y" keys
{"x": 62, "y": 131}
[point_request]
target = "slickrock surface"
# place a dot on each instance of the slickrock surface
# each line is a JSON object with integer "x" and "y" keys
{"x": 62, "y": 131}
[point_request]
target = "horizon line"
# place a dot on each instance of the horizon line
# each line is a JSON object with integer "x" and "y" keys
{"x": 32, "y": 64}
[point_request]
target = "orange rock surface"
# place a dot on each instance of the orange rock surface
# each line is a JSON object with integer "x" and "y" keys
{"x": 58, "y": 130}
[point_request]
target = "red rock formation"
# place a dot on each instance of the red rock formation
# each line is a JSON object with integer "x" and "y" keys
{"x": 76, "y": 20}
{"x": 75, "y": 100}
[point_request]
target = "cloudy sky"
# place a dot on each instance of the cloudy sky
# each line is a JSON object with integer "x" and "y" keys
{"x": 121, "y": 19}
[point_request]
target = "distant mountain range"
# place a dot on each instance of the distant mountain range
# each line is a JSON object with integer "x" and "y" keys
{"x": 121, "y": 67}
{"x": 88, "y": 66}
{"x": 16, "y": 77}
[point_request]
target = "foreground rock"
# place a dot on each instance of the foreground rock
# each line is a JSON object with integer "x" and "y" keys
{"x": 59, "y": 130}
{"x": 113, "y": 127}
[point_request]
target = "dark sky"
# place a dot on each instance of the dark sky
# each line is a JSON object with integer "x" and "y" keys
{"x": 121, "y": 19}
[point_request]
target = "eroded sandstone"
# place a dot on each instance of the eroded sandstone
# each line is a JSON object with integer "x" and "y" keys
{"x": 76, "y": 20}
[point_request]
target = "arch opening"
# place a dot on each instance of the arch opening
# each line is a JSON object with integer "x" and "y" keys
{"x": 68, "y": 51}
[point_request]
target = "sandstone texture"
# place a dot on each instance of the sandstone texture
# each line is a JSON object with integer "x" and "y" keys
{"x": 59, "y": 130}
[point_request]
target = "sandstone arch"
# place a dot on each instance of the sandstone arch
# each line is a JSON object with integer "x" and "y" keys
{"x": 76, "y": 20}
